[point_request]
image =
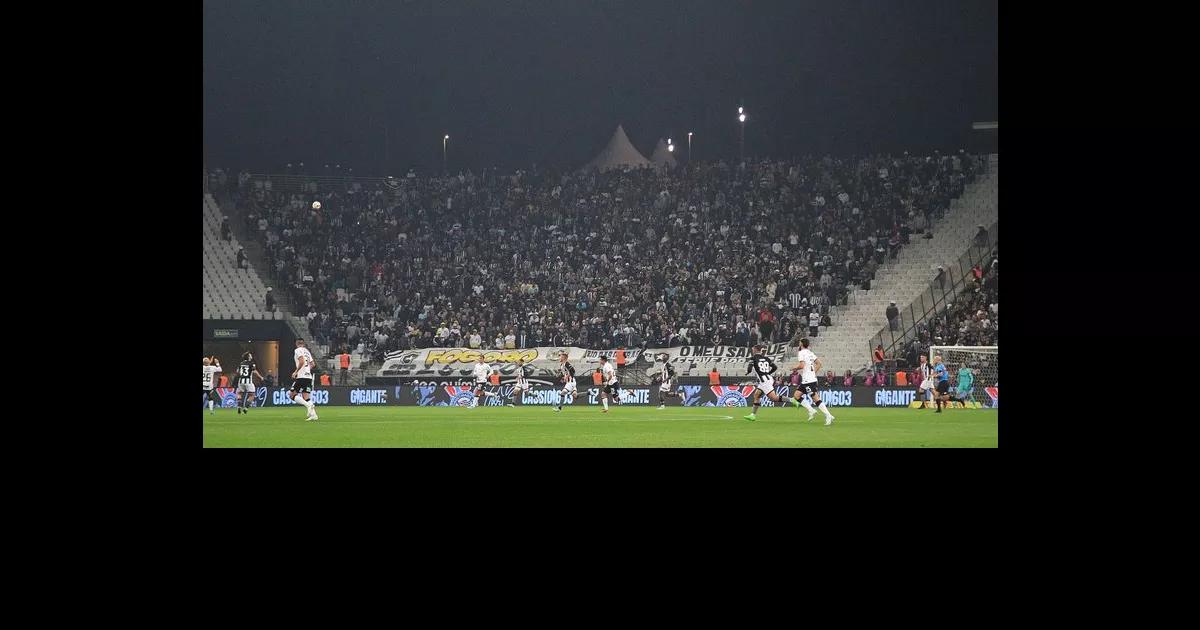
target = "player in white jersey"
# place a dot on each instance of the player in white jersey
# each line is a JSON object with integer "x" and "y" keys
{"x": 665, "y": 375}
{"x": 809, "y": 366}
{"x": 481, "y": 372}
{"x": 302, "y": 379}
{"x": 568, "y": 378}
{"x": 521, "y": 386}
{"x": 609, "y": 386}
{"x": 211, "y": 368}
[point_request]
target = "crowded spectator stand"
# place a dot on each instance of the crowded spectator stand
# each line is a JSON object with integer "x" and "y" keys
{"x": 709, "y": 254}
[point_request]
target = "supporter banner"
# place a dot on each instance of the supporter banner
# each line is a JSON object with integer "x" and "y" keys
{"x": 440, "y": 357}
{"x": 708, "y": 355}
{"x": 448, "y": 362}
{"x": 445, "y": 361}
{"x": 468, "y": 356}
{"x": 590, "y": 356}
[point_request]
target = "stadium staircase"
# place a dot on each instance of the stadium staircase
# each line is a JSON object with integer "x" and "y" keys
{"x": 934, "y": 299}
{"x": 229, "y": 292}
{"x": 256, "y": 258}
{"x": 844, "y": 346}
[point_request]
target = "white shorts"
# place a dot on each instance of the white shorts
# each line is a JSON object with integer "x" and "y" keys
{"x": 522, "y": 386}
{"x": 665, "y": 387}
{"x": 245, "y": 386}
{"x": 766, "y": 388}
{"x": 569, "y": 386}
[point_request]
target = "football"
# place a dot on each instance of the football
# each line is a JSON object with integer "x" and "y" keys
{"x": 316, "y": 205}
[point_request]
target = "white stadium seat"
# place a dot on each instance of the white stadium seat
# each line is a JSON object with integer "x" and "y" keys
{"x": 229, "y": 292}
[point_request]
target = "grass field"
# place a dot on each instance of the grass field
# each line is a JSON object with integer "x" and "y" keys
{"x": 586, "y": 427}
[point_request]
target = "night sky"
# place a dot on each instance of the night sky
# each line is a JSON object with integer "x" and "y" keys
{"x": 546, "y": 82}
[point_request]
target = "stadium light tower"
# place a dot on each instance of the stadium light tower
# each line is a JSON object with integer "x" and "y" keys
{"x": 689, "y": 147}
{"x": 445, "y": 139}
{"x": 670, "y": 145}
{"x": 742, "y": 137}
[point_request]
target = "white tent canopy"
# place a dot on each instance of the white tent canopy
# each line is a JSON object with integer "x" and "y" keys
{"x": 619, "y": 153}
{"x": 663, "y": 157}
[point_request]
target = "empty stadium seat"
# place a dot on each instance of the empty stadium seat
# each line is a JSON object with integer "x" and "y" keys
{"x": 229, "y": 291}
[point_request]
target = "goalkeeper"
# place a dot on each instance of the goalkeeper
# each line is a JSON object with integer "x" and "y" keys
{"x": 966, "y": 385}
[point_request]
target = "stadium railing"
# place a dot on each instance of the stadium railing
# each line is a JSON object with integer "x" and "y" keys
{"x": 936, "y": 297}
{"x": 311, "y": 183}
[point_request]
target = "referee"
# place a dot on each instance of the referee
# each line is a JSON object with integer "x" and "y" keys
{"x": 943, "y": 382}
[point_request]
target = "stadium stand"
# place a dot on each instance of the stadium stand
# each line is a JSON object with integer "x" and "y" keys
{"x": 710, "y": 254}
{"x": 230, "y": 292}
{"x": 912, "y": 271}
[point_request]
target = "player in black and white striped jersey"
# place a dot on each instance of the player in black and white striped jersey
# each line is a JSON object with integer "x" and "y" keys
{"x": 246, "y": 372}
{"x": 568, "y": 378}
{"x": 665, "y": 375}
{"x": 763, "y": 367}
{"x": 521, "y": 386}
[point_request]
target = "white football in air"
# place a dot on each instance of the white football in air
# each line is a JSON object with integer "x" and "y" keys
{"x": 316, "y": 205}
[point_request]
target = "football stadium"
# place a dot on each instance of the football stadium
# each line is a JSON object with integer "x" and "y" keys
{"x": 636, "y": 225}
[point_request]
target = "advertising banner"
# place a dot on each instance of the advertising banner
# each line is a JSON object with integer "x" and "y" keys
{"x": 227, "y": 397}
{"x": 696, "y": 395}
{"x": 458, "y": 392}
{"x": 264, "y": 397}
{"x": 319, "y": 397}
{"x": 445, "y": 395}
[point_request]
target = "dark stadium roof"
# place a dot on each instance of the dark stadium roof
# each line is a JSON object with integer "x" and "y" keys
{"x": 376, "y": 86}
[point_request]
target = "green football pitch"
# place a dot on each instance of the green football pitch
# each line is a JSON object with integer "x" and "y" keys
{"x": 580, "y": 426}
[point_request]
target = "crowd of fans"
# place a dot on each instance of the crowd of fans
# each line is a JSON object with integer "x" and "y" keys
{"x": 707, "y": 254}
{"x": 972, "y": 319}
